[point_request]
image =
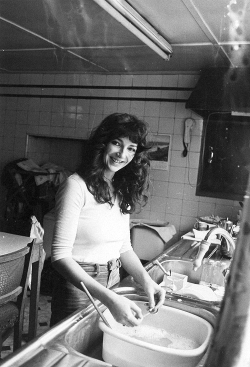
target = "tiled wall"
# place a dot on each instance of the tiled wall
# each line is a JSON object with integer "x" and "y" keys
{"x": 70, "y": 105}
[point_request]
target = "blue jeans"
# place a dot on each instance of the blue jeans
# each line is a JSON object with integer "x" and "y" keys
{"x": 66, "y": 298}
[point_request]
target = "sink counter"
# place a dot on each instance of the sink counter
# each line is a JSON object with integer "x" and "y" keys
{"x": 77, "y": 340}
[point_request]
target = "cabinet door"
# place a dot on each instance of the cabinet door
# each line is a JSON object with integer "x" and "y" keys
{"x": 225, "y": 157}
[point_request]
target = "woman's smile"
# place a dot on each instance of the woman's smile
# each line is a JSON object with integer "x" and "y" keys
{"x": 116, "y": 160}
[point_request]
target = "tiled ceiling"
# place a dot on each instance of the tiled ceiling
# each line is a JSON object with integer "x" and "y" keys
{"x": 80, "y": 36}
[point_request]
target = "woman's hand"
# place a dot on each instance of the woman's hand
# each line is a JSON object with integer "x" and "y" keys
{"x": 156, "y": 294}
{"x": 125, "y": 311}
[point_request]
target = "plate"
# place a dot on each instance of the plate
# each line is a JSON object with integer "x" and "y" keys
{"x": 191, "y": 236}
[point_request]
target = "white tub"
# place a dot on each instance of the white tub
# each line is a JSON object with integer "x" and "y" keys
{"x": 122, "y": 350}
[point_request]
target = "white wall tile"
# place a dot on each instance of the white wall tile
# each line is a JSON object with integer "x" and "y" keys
{"x": 14, "y": 79}
{"x": 23, "y": 104}
{"x": 168, "y": 94}
{"x": 139, "y": 80}
{"x": 126, "y": 80}
{"x": 48, "y": 79}
{"x": 154, "y": 80}
{"x": 177, "y": 159}
{"x": 34, "y": 104}
{"x": 70, "y": 105}
{"x": 99, "y": 79}
{"x": 123, "y": 106}
{"x": 73, "y": 79}
{"x": 45, "y": 119}
{"x": 83, "y": 106}
{"x": 175, "y": 190}
{"x": 137, "y": 108}
{"x": 137, "y": 93}
{"x": 160, "y": 188}
{"x": 153, "y": 123}
{"x": 191, "y": 176}
{"x": 206, "y": 208}
{"x": 22, "y": 118}
{"x": 190, "y": 208}
{"x": 177, "y": 174}
{"x": 177, "y": 142}
{"x": 113, "y": 80}
{"x": 189, "y": 193}
{"x": 25, "y": 78}
{"x": 174, "y": 206}
{"x": 152, "y": 109}
{"x": 158, "y": 204}
{"x": 110, "y": 107}
{"x": 166, "y": 125}
{"x": 57, "y": 119}
{"x": 57, "y": 105}
{"x": 170, "y": 80}
{"x": 61, "y": 79}
{"x": 86, "y": 79}
{"x": 193, "y": 159}
{"x": 167, "y": 109}
{"x": 159, "y": 175}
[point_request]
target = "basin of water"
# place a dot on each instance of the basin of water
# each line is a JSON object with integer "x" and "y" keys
{"x": 171, "y": 337}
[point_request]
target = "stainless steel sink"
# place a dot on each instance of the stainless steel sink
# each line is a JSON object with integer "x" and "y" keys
{"x": 85, "y": 337}
{"x": 210, "y": 272}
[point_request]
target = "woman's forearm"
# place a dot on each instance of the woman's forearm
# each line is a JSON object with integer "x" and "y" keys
{"x": 134, "y": 267}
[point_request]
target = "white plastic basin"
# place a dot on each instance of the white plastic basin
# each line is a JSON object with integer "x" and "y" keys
{"x": 123, "y": 350}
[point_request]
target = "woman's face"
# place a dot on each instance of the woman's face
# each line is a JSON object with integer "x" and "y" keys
{"x": 118, "y": 154}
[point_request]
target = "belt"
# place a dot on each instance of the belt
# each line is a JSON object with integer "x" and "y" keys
{"x": 101, "y": 268}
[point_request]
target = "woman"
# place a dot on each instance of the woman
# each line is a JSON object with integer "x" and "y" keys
{"x": 91, "y": 236}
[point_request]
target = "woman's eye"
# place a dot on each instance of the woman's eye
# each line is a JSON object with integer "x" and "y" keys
{"x": 115, "y": 142}
{"x": 132, "y": 149}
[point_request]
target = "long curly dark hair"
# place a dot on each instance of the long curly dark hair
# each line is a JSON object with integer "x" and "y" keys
{"x": 131, "y": 182}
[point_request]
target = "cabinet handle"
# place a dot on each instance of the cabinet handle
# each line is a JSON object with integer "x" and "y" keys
{"x": 211, "y": 154}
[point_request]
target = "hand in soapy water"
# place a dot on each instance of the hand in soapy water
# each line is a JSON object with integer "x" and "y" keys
{"x": 125, "y": 311}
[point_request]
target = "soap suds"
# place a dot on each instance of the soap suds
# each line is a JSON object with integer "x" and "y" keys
{"x": 158, "y": 336}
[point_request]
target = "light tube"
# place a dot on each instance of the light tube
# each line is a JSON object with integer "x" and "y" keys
{"x": 236, "y": 113}
{"x": 133, "y": 21}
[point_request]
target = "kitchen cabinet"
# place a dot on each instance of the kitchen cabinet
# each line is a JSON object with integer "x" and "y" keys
{"x": 225, "y": 156}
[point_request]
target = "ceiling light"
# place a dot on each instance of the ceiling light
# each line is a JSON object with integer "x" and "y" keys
{"x": 134, "y": 22}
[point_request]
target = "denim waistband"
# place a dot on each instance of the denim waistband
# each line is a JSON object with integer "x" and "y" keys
{"x": 101, "y": 268}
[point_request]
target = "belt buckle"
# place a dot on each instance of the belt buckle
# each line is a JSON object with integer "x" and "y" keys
{"x": 114, "y": 264}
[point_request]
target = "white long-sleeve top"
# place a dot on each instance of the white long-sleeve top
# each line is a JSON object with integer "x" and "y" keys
{"x": 86, "y": 230}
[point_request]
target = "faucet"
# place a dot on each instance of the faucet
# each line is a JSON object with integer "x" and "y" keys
{"x": 226, "y": 250}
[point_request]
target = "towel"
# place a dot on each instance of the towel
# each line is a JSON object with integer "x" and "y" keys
{"x": 36, "y": 233}
{"x": 164, "y": 229}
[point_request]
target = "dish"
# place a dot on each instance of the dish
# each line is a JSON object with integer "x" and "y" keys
{"x": 191, "y": 236}
{"x": 211, "y": 219}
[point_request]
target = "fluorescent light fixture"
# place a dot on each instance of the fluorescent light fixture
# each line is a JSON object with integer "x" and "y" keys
{"x": 236, "y": 113}
{"x": 135, "y": 23}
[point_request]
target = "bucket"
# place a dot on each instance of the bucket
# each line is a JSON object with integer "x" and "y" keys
{"x": 122, "y": 350}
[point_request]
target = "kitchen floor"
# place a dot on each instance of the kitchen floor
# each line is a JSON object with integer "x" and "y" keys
{"x": 44, "y": 312}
